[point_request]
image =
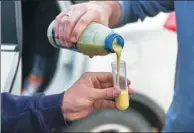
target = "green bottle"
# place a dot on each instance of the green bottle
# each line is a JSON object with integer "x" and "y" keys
{"x": 96, "y": 40}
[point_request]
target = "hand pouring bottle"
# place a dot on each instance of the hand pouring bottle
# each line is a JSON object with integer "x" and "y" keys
{"x": 96, "y": 40}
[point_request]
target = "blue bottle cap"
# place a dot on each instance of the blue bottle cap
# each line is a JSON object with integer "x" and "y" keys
{"x": 110, "y": 39}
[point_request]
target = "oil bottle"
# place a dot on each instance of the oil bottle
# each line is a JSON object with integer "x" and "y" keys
{"x": 96, "y": 40}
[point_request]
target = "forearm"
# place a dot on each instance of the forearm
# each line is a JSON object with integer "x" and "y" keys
{"x": 37, "y": 113}
{"x": 123, "y": 12}
{"x": 114, "y": 9}
{"x": 132, "y": 11}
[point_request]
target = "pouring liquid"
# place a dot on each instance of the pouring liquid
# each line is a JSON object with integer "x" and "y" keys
{"x": 122, "y": 101}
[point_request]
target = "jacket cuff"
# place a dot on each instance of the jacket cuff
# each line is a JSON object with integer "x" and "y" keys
{"x": 51, "y": 109}
{"x": 124, "y": 13}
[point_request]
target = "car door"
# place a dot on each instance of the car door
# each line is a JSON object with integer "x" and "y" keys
{"x": 11, "y": 46}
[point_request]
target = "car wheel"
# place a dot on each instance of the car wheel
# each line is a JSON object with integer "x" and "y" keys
{"x": 112, "y": 121}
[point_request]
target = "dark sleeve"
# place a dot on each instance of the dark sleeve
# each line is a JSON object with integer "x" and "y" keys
{"x": 133, "y": 10}
{"x": 38, "y": 113}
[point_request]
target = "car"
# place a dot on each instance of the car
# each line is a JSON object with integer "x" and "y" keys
{"x": 17, "y": 49}
{"x": 11, "y": 40}
{"x": 150, "y": 70}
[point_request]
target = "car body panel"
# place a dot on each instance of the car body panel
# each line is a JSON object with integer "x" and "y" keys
{"x": 8, "y": 68}
{"x": 11, "y": 45}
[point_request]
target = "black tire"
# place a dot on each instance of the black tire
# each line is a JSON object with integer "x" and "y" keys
{"x": 128, "y": 121}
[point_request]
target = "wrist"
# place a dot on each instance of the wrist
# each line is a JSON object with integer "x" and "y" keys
{"x": 66, "y": 108}
{"x": 50, "y": 108}
{"x": 64, "y": 112}
{"x": 114, "y": 10}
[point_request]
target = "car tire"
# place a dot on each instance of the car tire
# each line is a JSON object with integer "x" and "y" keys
{"x": 111, "y": 121}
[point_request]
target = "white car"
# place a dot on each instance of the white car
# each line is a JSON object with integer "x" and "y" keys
{"x": 11, "y": 44}
{"x": 13, "y": 48}
{"x": 150, "y": 52}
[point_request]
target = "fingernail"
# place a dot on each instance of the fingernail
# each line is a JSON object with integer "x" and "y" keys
{"x": 69, "y": 45}
{"x": 131, "y": 91}
{"x": 61, "y": 41}
{"x": 117, "y": 92}
{"x": 73, "y": 39}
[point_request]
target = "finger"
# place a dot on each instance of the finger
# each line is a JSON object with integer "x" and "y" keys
{"x": 131, "y": 91}
{"x": 62, "y": 29}
{"x": 83, "y": 22}
{"x": 111, "y": 83}
{"x": 78, "y": 115}
{"x": 63, "y": 13}
{"x": 104, "y": 77}
{"x": 57, "y": 22}
{"x": 123, "y": 80}
{"x": 107, "y": 104}
{"x": 108, "y": 93}
{"x": 60, "y": 35}
{"x": 107, "y": 85}
{"x": 128, "y": 82}
{"x": 71, "y": 21}
{"x": 68, "y": 23}
{"x": 62, "y": 42}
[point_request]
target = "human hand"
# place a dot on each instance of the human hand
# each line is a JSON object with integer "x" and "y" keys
{"x": 71, "y": 23}
{"x": 89, "y": 93}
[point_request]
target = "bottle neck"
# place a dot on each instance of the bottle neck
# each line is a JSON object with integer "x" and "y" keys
{"x": 110, "y": 40}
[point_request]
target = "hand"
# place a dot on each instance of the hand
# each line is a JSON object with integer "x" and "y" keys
{"x": 71, "y": 23}
{"x": 89, "y": 93}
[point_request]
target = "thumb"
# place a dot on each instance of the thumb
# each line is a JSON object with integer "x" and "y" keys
{"x": 107, "y": 93}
